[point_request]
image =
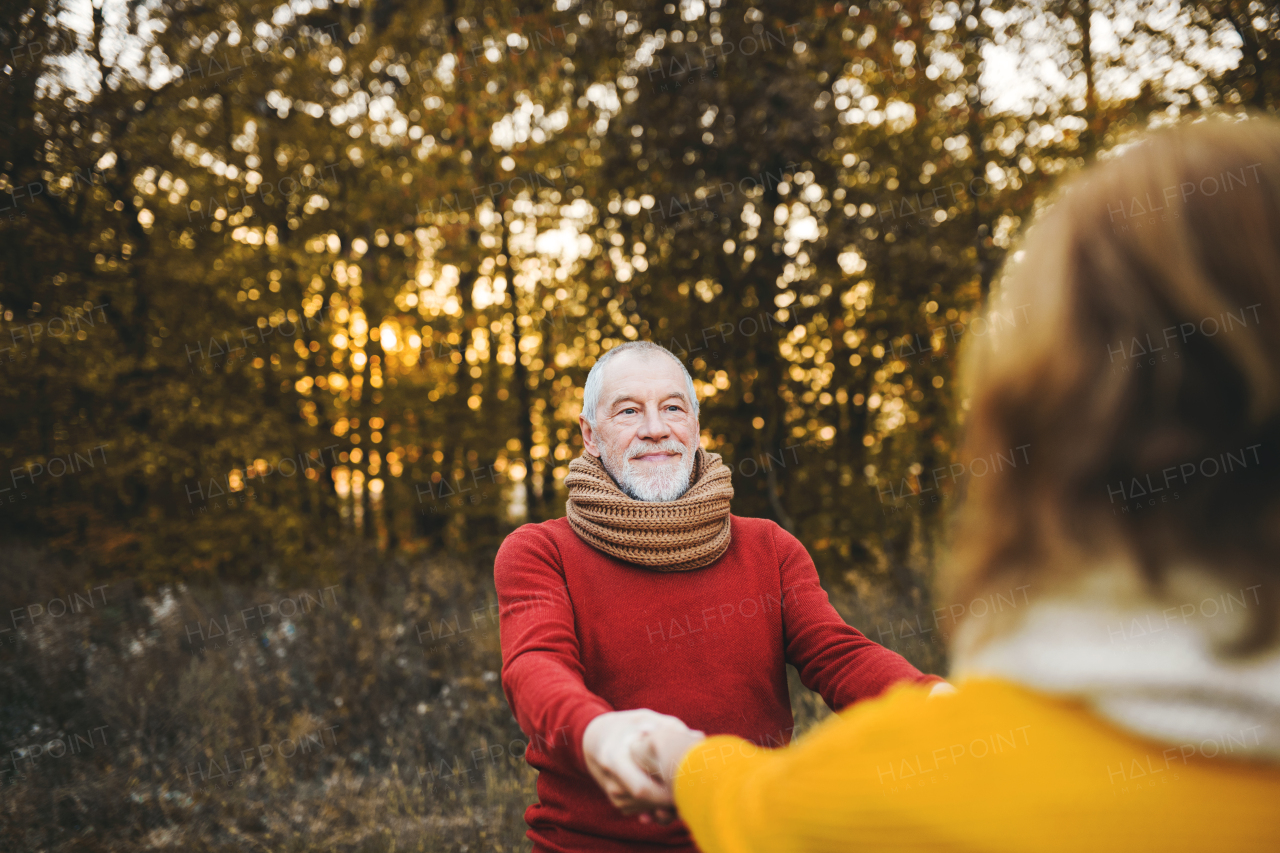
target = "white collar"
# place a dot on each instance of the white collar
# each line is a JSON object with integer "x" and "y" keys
{"x": 1146, "y": 663}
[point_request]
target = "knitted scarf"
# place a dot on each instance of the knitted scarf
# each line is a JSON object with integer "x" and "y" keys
{"x": 671, "y": 536}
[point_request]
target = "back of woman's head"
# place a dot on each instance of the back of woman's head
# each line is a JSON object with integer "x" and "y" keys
{"x": 1144, "y": 384}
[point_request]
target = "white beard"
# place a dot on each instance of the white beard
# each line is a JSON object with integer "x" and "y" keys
{"x": 661, "y": 483}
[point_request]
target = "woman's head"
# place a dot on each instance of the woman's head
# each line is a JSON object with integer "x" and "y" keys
{"x": 1144, "y": 384}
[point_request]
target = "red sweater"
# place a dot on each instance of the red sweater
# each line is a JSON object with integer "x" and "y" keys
{"x": 584, "y": 633}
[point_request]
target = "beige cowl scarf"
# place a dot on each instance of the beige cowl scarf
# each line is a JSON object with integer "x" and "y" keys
{"x": 672, "y": 536}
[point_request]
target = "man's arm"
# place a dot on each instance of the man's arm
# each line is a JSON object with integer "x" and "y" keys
{"x": 544, "y": 680}
{"x": 542, "y": 673}
{"x": 834, "y": 659}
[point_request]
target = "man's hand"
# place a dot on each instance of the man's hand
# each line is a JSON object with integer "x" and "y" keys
{"x": 607, "y": 746}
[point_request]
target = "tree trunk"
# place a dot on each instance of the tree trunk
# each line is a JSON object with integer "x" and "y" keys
{"x": 524, "y": 418}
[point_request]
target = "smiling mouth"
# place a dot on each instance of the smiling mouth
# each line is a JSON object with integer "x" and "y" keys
{"x": 656, "y": 457}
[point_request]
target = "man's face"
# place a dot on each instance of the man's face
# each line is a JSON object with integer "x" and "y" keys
{"x": 646, "y": 433}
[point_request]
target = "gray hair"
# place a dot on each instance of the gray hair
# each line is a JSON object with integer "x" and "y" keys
{"x": 591, "y": 392}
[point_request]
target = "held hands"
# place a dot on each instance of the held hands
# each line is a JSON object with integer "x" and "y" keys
{"x": 606, "y": 745}
{"x": 661, "y": 749}
{"x": 614, "y": 745}
{"x": 634, "y": 755}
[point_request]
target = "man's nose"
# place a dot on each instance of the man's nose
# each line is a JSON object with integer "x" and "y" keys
{"x": 653, "y": 426}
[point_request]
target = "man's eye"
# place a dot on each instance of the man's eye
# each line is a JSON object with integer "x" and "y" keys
{"x": 627, "y": 411}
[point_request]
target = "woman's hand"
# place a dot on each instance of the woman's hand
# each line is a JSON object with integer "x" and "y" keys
{"x": 942, "y": 688}
{"x": 660, "y": 750}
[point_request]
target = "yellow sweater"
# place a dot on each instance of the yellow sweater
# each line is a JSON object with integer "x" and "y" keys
{"x": 992, "y": 767}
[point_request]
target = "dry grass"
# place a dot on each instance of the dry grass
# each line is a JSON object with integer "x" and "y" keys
{"x": 409, "y": 745}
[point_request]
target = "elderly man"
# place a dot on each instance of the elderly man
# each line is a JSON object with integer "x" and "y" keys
{"x": 651, "y": 599}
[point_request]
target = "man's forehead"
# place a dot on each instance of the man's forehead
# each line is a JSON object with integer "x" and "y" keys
{"x": 632, "y": 372}
{"x": 629, "y": 365}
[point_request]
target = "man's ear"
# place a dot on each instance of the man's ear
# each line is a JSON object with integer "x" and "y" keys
{"x": 588, "y": 437}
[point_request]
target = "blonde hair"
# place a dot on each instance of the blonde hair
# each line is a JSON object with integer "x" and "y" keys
{"x": 1151, "y": 348}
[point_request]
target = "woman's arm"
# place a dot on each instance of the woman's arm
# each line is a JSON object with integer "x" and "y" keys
{"x": 846, "y": 779}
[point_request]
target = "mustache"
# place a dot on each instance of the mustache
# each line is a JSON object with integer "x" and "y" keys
{"x": 670, "y": 445}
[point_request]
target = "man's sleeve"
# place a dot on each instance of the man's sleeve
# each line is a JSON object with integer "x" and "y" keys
{"x": 835, "y": 660}
{"x": 542, "y": 674}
